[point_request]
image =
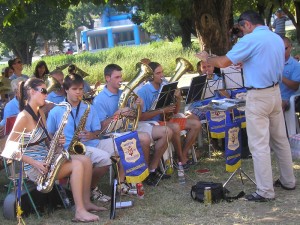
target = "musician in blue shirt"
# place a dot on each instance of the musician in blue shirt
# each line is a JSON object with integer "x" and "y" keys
{"x": 262, "y": 54}
{"x": 291, "y": 75}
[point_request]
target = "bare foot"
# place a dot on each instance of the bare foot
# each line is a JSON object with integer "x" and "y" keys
{"x": 94, "y": 208}
{"x": 85, "y": 216}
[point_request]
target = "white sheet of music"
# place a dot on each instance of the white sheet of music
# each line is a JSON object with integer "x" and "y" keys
{"x": 211, "y": 87}
{"x": 233, "y": 77}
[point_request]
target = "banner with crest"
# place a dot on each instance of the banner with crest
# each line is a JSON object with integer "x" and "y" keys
{"x": 217, "y": 121}
{"x": 132, "y": 157}
{"x": 233, "y": 146}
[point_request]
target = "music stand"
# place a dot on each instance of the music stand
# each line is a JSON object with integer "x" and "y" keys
{"x": 211, "y": 86}
{"x": 196, "y": 89}
{"x": 233, "y": 77}
{"x": 166, "y": 96}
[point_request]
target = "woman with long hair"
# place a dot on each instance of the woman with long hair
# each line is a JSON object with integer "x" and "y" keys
{"x": 31, "y": 124}
{"x": 41, "y": 70}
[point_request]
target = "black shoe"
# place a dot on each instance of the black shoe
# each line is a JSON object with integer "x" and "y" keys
{"x": 254, "y": 197}
{"x": 162, "y": 176}
{"x": 152, "y": 179}
{"x": 278, "y": 183}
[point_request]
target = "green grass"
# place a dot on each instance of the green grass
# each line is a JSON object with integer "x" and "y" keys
{"x": 170, "y": 202}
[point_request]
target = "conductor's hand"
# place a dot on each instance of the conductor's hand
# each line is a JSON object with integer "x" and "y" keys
{"x": 202, "y": 56}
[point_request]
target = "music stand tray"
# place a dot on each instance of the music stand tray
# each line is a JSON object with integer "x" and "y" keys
{"x": 166, "y": 96}
{"x": 196, "y": 89}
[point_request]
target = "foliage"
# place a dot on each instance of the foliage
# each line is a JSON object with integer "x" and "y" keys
{"x": 41, "y": 20}
{"x": 126, "y": 56}
{"x": 81, "y": 15}
{"x": 165, "y": 26}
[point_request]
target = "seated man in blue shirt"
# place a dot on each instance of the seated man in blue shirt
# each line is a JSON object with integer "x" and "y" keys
{"x": 12, "y": 107}
{"x": 149, "y": 93}
{"x": 106, "y": 104}
{"x": 291, "y": 75}
{"x": 57, "y": 95}
{"x": 73, "y": 85}
{"x": 17, "y": 66}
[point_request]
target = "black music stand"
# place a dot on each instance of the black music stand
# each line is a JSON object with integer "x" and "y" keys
{"x": 166, "y": 96}
{"x": 233, "y": 77}
{"x": 196, "y": 89}
{"x": 211, "y": 86}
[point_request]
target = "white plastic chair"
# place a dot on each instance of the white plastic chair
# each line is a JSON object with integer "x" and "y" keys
{"x": 291, "y": 120}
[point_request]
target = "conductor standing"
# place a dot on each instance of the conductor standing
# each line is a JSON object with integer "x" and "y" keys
{"x": 261, "y": 52}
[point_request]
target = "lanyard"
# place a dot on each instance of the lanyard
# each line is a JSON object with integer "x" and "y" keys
{"x": 74, "y": 118}
{"x": 37, "y": 118}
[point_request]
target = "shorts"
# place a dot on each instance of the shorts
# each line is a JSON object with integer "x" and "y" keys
{"x": 146, "y": 128}
{"x": 108, "y": 145}
{"x": 180, "y": 121}
{"x": 98, "y": 157}
{"x": 32, "y": 174}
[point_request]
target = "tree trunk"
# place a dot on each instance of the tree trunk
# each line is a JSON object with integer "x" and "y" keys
{"x": 213, "y": 20}
{"x": 186, "y": 31}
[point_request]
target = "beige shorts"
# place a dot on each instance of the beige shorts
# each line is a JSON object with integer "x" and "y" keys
{"x": 108, "y": 145}
{"x": 98, "y": 156}
{"x": 147, "y": 128}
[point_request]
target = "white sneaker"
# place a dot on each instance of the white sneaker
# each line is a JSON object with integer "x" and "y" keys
{"x": 96, "y": 194}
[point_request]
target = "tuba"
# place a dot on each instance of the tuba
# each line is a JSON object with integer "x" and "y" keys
{"x": 76, "y": 147}
{"x": 46, "y": 181}
{"x": 183, "y": 66}
{"x": 52, "y": 84}
{"x": 128, "y": 98}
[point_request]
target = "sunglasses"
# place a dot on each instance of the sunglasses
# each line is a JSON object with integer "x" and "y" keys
{"x": 18, "y": 62}
{"x": 41, "y": 90}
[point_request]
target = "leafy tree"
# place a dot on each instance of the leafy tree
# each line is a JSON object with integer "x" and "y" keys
{"x": 40, "y": 19}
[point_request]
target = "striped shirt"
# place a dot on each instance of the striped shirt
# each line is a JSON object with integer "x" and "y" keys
{"x": 279, "y": 25}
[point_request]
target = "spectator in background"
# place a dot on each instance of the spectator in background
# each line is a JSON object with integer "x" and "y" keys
{"x": 279, "y": 23}
{"x": 69, "y": 52}
{"x": 291, "y": 75}
{"x": 17, "y": 66}
{"x": 7, "y": 72}
{"x": 41, "y": 70}
{"x": 83, "y": 46}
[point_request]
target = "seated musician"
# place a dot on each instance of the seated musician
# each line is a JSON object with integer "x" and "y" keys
{"x": 207, "y": 69}
{"x": 149, "y": 93}
{"x": 87, "y": 134}
{"x": 106, "y": 104}
{"x": 36, "y": 138}
{"x": 12, "y": 107}
{"x": 291, "y": 75}
{"x": 57, "y": 95}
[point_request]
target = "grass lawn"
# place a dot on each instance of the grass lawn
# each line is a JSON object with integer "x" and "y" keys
{"x": 170, "y": 202}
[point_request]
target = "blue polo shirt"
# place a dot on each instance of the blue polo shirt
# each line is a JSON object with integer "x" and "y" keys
{"x": 262, "y": 54}
{"x": 106, "y": 103}
{"x": 86, "y": 87}
{"x": 53, "y": 97}
{"x": 149, "y": 94}
{"x": 291, "y": 71}
{"x": 92, "y": 123}
{"x": 14, "y": 76}
{"x": 10, "y": 109}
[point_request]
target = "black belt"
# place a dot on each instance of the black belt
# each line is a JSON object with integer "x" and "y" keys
{"x": 253, "y": 88}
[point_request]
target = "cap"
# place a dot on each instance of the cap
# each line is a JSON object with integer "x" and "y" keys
{"x": 279, "y": 10}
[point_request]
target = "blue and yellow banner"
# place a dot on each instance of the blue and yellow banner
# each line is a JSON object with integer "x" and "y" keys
{"x": 132, "y": 157}
{"x": 233, "y": 146}
{"x": 217, "y": 121}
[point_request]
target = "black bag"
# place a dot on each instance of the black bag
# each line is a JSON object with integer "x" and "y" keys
{"x": 217, "y": 193}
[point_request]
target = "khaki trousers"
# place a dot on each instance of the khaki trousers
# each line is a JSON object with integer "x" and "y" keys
{"x": 265, "y": 130}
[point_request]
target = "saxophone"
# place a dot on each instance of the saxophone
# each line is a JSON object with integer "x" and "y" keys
{"x": 76, "y": 147}
{"x": 128, "y": 98}
{"x": 46, "y": 181}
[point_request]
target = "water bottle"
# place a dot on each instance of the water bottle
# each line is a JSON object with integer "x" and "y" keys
{"x": 181, "y": 176}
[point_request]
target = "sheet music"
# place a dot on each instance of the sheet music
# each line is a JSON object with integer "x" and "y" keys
{"x": 233, "y": 77}
{"x": 211, "y": 87}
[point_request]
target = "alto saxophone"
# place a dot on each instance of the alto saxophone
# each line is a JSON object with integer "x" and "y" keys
{"x": 76, "y": 147}
{"x": 46, "y": 181}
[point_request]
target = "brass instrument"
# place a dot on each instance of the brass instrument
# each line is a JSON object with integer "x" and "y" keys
{"x": 128, "y": 98}
{"x": 46, "y": 181}
{"x": 52, "y": 84}
{"x": 76, "y": 147}
{"x": 183, "y": 66}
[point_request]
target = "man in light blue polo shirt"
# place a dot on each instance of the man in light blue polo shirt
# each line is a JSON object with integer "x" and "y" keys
{"x": 262, "y": 54}
{"x": 106, "y": 104}
{"x": 291, "y": 75}
{"x": 73, "y": 86}
{"x": 57, "y": 96}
